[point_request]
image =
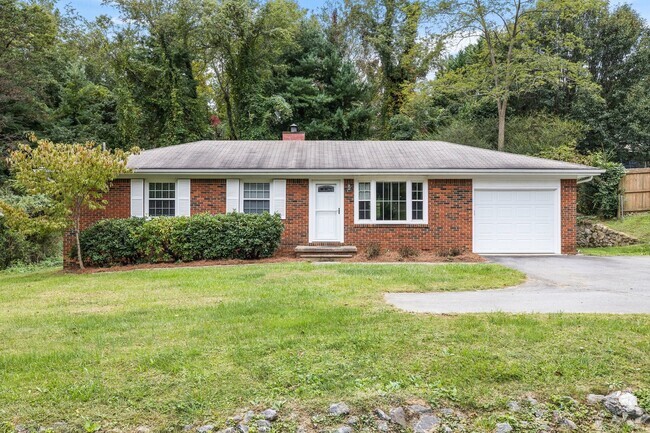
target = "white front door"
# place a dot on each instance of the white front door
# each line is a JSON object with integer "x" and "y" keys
{"x": 326, "y": 215}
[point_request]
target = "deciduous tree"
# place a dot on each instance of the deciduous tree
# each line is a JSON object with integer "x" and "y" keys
{"x": 72, "y": 176}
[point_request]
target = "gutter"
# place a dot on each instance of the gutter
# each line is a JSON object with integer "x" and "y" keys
{"x": 585, "y": 173}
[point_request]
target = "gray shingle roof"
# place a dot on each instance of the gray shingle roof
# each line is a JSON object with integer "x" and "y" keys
{"x": 301, "y": 156}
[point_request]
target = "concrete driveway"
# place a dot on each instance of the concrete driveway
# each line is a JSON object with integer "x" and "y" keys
{"x": 571, "y": 284}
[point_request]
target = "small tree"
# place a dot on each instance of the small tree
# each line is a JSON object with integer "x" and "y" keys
{"x": 73, "y": 176}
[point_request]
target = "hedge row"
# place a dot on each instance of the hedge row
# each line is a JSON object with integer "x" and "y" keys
{"x": 169, "y": 239}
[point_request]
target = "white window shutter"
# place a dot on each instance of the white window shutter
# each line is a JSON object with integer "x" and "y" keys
{"x": 137, "y": 198}
{"x": 232, "y": 195}
{"x": 280, "y": 197}
{"x": 183, "y": 197}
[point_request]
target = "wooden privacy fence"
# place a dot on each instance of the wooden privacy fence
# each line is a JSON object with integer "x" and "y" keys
{"x": 636, "y": 190}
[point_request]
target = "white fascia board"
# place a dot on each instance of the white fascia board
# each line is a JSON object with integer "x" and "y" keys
{"x": 568, "y": 173}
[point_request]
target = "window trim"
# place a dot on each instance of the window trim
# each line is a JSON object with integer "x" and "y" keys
{"x": 409, "y": 208}
{"x": 242, "y": 181}
{"x": 146, "y": 196}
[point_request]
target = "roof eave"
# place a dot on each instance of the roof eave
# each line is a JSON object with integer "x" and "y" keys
{"x": 578, "y": 172}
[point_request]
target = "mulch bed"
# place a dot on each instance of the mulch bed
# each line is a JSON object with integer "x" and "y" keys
{"x": 386, "y": 257}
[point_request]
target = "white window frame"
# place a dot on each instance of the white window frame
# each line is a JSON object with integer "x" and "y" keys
{"x": 146, "y": 196}
{"x": 241, "y": 193}
{"x": 409, "y": 208}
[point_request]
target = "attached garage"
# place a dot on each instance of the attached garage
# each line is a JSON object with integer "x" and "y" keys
{"x": 517, "y": 218}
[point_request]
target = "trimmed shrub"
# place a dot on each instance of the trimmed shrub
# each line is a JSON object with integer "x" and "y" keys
{"x": 111, "y": 242}
{"x": 154, "y": 239}
{"x": 200, "y": 237}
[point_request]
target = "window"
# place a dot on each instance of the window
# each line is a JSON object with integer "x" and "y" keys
{"x": 257, "y": 197}
{"x": 417, "y": 201}
{"x": 162, "y": 199}
{"x": 391, "y": 202}
{"x": 364, "y": 200}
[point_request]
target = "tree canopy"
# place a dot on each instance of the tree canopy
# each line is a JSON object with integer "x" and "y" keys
{"x": 532, "y": 74}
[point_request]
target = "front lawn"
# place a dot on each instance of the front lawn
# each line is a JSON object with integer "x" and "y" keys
{"x": 173, "y": 346}
{"x": 636, "y": 225}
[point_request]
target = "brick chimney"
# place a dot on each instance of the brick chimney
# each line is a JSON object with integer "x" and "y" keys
{"x": 293, "y": 134}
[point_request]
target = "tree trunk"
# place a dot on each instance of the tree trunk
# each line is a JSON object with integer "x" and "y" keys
{"x": 77, "y": 225}
{"x": 502, "y": 106}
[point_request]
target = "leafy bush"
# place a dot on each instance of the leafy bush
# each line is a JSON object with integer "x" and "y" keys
{"x": 154, "y": 239}
{"x": 373, "y": 251}
{"x": 200, "y": 237}
{"x": 25, "y": 245}
{"x": 601, "y": 196}
{"x": 407, "y": 252}
{"x": 111, "y": 242}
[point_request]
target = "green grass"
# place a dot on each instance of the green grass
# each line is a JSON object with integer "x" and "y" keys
{"x": 637, "y": 225}
{"x": 172, "y": 346}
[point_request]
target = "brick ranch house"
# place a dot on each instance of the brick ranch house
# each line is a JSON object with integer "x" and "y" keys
{"x": 429, "y": 195}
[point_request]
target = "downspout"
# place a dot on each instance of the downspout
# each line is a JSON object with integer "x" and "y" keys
{"x": 585, "y": 180}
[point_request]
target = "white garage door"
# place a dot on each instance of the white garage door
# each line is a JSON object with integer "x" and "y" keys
{"x": 515, "y": 221}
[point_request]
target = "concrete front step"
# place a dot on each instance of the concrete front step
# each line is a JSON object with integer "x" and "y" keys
{"x": 325, "y": 252}
{"x": 321, "y": 249}
{"x": 325, "y": 256}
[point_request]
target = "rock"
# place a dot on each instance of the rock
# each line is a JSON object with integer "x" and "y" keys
{"x": 237, "y": 419}
{"x": 352, "y": 420}
{"x": 623, "y": 404}
{"x": 503, "y": 427}
{"x": 248, "y": 417}
{"x": 513, "y": 406}
{"x": 531, "y": 401}
{"x": 270, "y": 414}
{"x": 344, "y": 429}
{"x": 382, "y": 425}
{"x": 398, "y": 416}
{"x": 142, "y": 429}
{"x": 205, "y": 428}
{"x": 339, "y": 409}
{"x": 446, "y": 429}
{"x": 645, "y": 419}
{"x": 567, "y": 423}
{"x": 229, "y": 430}
{"x": 243, "y": 428}
{"x": 426, "y": 424}
{"x": 21, "y": 428}
{"x": 188, "y": 427}
{"x": 381, "y": 415}
{"x": 445, "y": 411}
{"x": 539, "y": 413}
{"x": 595, "y": 398}
{"x": 418, "y": 409}
{"x": 263, "y": 426}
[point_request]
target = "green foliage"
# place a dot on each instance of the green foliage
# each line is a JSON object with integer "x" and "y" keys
{"x": 72, "y": 177}
{"x": 111, "y": 242}
{"x": 200, "y": 237}
{"x": 533, "y": 134}
{"x": 154, "y": 239}
{"x": 24, "y": 247}
{"x": 601, "y": 196}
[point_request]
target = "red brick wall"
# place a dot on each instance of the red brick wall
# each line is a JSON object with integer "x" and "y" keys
{"x": 569, "y": 193}
{"x": 296, "y": 224}
{"x": 208, "y": 195}
{"x": 449, "y": 224}
{"x": 119, "y": 206}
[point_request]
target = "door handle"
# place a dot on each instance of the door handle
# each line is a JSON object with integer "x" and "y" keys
{"x": 338, "y": 211}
